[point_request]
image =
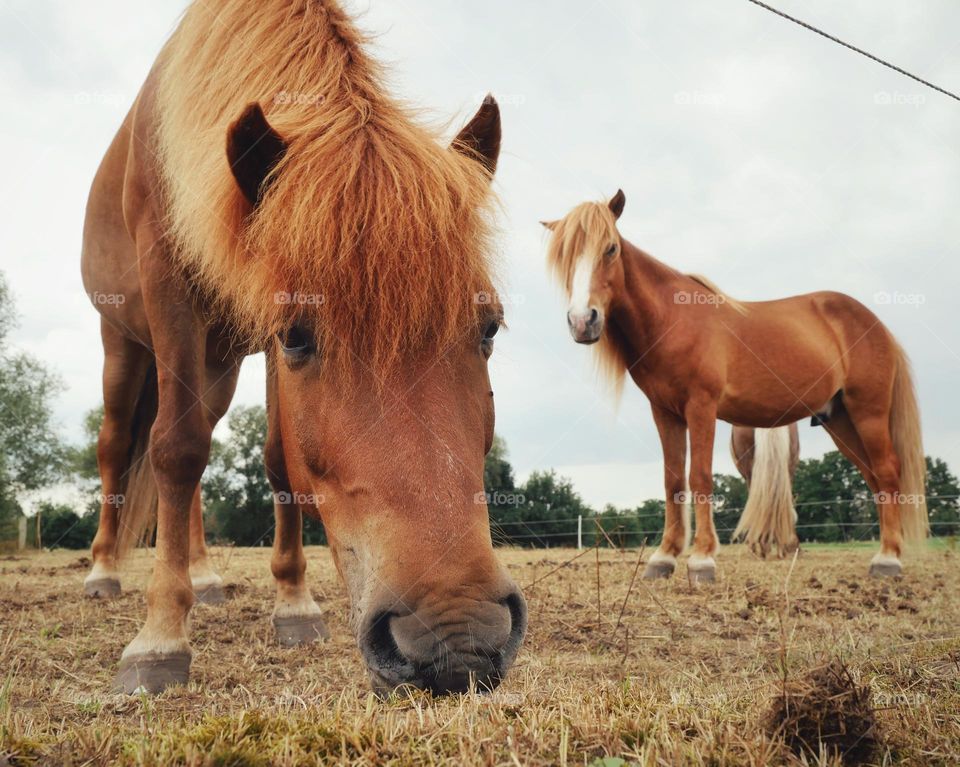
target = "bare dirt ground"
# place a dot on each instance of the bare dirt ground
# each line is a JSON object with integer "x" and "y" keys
{"x": 685, "y": 676}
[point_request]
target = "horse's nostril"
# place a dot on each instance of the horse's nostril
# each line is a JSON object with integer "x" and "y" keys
{"x": 379, "y": 644}
{"x": 517, "y": 606}
{"x": 594, "y": 316}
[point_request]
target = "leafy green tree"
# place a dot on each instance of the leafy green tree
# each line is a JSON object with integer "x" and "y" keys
{"x": 543, "y": 513}
{"x": 832, "y": 495}
{"x": 32, "y": 455}
{"x": 943, "y": 498}
{"x": 729, "y": 498}
{"x": 82, "y": 460}
{"x": 497, "y": 471}
{"x": 62, "y": 528}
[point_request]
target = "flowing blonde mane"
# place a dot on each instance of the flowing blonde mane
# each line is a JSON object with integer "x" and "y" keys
{"x": 371, "y": 231}
{"x": 586, "y": 231}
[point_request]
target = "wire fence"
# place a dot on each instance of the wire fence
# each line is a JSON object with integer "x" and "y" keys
{"x": 609, "y": 526}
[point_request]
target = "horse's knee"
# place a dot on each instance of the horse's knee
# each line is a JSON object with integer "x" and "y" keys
{"x": 701, "y": 481}
{"x": 179, "y": 453}
{"x": 113, "y": 444}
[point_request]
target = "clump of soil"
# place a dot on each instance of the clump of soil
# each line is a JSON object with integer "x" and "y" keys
{"x": 826, "y": 709}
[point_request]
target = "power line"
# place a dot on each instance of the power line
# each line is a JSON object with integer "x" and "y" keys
{"x": 854, "y": 48}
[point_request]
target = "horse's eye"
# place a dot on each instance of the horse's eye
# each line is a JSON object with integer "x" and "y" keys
{"x": 486, "y": 344}
{"x": 611, "y": 250}
{"x": 296, "y": 342}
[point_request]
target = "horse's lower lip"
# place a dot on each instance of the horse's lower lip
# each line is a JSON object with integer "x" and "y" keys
{"x": 587, "y": 341}
{"x": 439, "y": 682}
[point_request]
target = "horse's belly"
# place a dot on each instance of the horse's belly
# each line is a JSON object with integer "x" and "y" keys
{"x": 776, "y": 396}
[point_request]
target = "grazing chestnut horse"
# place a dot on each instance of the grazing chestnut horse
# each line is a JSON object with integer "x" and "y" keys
{"x": 699, "y": 355}
{"x": 265, "y": 193}
{"x": 767, "y": 459}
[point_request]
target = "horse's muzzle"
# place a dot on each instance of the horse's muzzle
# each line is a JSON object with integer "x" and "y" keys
{"x": 470, "y": 646}
{"x": 586, "y": 326}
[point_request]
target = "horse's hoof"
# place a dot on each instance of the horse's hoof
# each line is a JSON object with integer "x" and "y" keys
{"x": 702, "y": 574}
{"x": 151, "y": 674}
{"x": 296, "y": 630}
{"x": 209, "y": 595}
{"x": 102, "y": 588}
{"x": 658, "y": 569}
{"x": 885, "y": 569}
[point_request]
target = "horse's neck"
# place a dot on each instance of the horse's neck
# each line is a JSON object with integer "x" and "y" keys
{"x": 641, "y": 314}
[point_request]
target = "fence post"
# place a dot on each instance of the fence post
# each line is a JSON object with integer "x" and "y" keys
{"x": 579, "y": 531}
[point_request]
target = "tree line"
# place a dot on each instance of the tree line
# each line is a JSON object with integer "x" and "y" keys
{"x": 833, "y": 501}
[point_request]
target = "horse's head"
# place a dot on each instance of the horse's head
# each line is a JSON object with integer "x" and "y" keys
{"x": 584, "y": 252}
{"x": 386, "y": 410}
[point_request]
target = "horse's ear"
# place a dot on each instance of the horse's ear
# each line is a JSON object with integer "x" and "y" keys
{"x": 551, "y": 225}
{"x": 253, "y": 149}
{"x": 617, "y": 202}
{"x": 480, "y": 138}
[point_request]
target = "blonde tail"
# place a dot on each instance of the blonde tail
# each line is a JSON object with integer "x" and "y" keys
{"x": 769, "y": 519}
{"x": 908, "y": 445}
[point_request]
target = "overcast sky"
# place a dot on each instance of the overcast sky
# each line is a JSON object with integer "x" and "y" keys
{"x": 750, "y": 150}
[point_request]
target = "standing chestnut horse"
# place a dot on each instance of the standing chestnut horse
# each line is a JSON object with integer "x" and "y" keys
{"x": 767, "y": 459}
{"x": 266, "y": 194}
{"x": 699, "y": 355}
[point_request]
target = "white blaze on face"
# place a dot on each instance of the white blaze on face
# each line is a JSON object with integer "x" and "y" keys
{"x": 580, "y": 286}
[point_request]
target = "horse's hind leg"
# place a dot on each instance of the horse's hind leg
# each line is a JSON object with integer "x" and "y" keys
{"x": 296, "y": 616}
{"x": 865, "y": 439}
{"x": 220, "y": 383}
{"x": 207, "y": 585}
{"x": 125, "y": 365}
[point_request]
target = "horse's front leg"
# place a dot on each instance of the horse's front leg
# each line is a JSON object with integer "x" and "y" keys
{"x": 673, "y": 440}
{"x": 701, "y": 416}
{"x": 296, "y": 616}
{"x": 159, "y": 655}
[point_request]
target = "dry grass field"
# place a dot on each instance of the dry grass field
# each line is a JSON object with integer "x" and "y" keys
{"x": 685, "y": 675}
